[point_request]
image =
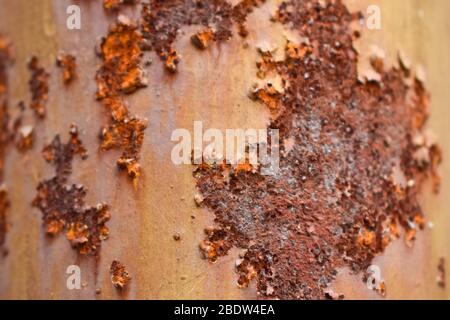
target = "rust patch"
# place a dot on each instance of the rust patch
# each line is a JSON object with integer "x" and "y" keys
{"x": 63, "y": 205}
{"x": 122, "y": 74}
{"x": 5, "y": 56}
{"x": 39, "y": 87}
{"x": 348, "y": 182}
{"x": 161, "y": 22}
{"x": 119, "y": 275}
{"x": 68, "y": 64}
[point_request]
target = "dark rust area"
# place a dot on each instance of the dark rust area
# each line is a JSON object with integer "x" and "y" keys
{"x": 39, "y": 87}
{"x": 63, "y": 205}
{"x": 354, "y": 157}
{"x": 162, "y": 20}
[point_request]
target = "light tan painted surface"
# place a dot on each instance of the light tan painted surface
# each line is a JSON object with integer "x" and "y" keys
{"x": 211, "y": 86}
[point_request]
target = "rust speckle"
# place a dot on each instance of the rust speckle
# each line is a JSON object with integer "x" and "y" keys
{"x": 349, "y": 174}
{"x": 63, "y": 205}
{"x": 122, "y": 74}
{"x": 119, "y": 275}
{"x": 216, "y": 243}
{"x": 172, "y": 59}
{"x": 68, "y": 64}
{"x": 39, "y": 87}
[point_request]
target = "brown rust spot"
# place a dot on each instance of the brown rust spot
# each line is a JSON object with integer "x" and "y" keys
{"x": 346, "y": 183}
{"x": 215, "y": 244}
{"x": 176, "y": 236}
{"x": 68, "y": 64}
{"x": 39, "y": 87}
{"x": 63, "y": 205}
{"x": 122, "y": 74}
{"x": 119, "y": 275}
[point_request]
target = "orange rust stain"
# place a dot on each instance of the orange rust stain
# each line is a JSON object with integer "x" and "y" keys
{"x": 202, "y": 38}
{"x": 121, "y": 74}
{"x": 119, "y": 275}
{"x": 68, "y": 64}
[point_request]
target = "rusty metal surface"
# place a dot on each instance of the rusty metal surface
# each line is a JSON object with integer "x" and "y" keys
{"x": 210, "y": 86}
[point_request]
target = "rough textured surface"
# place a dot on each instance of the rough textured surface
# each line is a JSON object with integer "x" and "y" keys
{"x": 62, "y": 204}
{"x": 354, "y": 159}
